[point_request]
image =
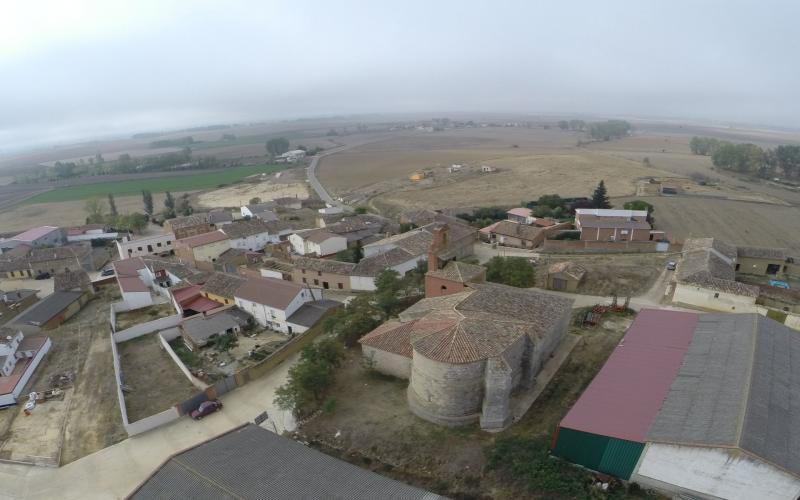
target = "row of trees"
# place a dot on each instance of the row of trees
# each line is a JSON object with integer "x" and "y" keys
{"x": 611, "y": 129}
{"x": 576, "y": 125}
{"x": 747, "y": 158}
{"x": 99, "y": 211}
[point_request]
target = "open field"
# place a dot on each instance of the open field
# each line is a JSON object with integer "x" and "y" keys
{"x": 68, "y": 213}
{"x": 88, "y": 418}
{"x": 736, "y": 222}
{"x": 372, "y": 426}
{"x": 241, "y": 194}
{"x": 128, "y": 319}
{"x": 198, "y": 181}
{"x": 608, "y": 274}
{"x": 156, "y": 381}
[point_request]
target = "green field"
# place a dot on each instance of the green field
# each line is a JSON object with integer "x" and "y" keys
{"x": 198, "y": 181}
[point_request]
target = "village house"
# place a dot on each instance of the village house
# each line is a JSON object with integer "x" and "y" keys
{"x": 13, "y": 302}
{"x": 160, "y": 244}
{"x": 202, "y": 251}
{"x": 565, "y": 276}
{"x": 761, "y": 261}
{"x": 188, "y": 225}
{"x": 272, "y": 302}
{"x": 695, "y": 406}
{"x": 197, "y": 331}
{"x": 317, "y": 243}
{"x": 43, "y": 236}
{"x": 262, "y": 211}
{"x": 41, "y": 261}
{"x": 132, "y": 278}
{"x": 20, "y": 356}
{"x": 292, "y": 156}
{"x": 255, "y": 234}
{"x": 359, "y": 229}
{"x": 73, "y": 281}
{"x": 706, "y": 278}
{"x": 221, "y": 287}
{"x": 597, "y": 224}
{"x": 189, "y": 300}
{"x": 517, "y": 235}
{"x": 461, "y": 236}
{"x": 521, "y": 214}
{"x": 219, "y": 217}
{"x": 466, "y": 353}
{"x": 447, "y": 277}
{"x": 325, "y": 273}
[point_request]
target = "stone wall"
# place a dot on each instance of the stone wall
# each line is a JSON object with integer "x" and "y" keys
{"x": 499, "y": 382}
{"x": 444, "y": 393}
{"x": 387, "y": 362}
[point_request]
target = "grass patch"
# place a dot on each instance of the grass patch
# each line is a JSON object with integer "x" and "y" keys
{"x": 178, "y": 183}
{"x": 778, "y": 316}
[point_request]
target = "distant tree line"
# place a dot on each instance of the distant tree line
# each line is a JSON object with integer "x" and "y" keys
{"x": 747, "y": 158}
{"x": 168, "y": 143}
{"x": 611, "y": 129}
{"x": 576, "y": 125}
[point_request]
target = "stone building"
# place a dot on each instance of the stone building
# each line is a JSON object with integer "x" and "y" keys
{"x": 189, "y": 225}
{"x": 465, "y": 353}
{"x": 448, "y": 277}
{"x": 565, "y": 276}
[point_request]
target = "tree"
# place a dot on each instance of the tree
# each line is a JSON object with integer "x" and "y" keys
{"x": 185, "y": 207}
{"x": 311, "y": 377}
{"x": 169, "y": 206}
{"x": 360, "y": 210}
{"x": 94, "y": 209}
{"x": 512, "y": 271}
{"x": 112, "y": 206}
{"x": 277, "y": 146}
{"x": 147, "y": 200}
{"x": 387, "y": 286}
{"x": 640, "y": 205}
{"x": 563, "y": 124}
{"x": 611, "y": 129}
{"x": 255, "y": 200}
{"x": 600, "y": 196}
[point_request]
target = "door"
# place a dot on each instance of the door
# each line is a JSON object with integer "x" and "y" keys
{"x": 559, "y": 284}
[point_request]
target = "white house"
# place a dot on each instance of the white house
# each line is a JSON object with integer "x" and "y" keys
{"x": 90, "y": 232}
{"x": 133, "y": 277}
{"x": 292, "y": 156}
{"x": 486, "y": 169}
{"x": 272, "y": 301}
{"x": 331, "y": 210}
{"x": 317, "y": 242}
{"x": 16, "y": 348}
{"x": 363, "y": 275}
{"x": 255, "y": 234}
{"x": 160, "y": 244}
{"x": 454, "y": 168}
{"x": 261, "y": 211}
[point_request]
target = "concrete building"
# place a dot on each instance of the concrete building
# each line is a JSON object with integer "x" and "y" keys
{"x": 202, "y": 251}
{"x": 189, "y": 225}
{"x": 694, "y": 405}
{"x": 317, "y": 243}
{"x": 761, "y": 261}
{"x": 706, "y": 278}
{"x": 201, "y": 329}
{"x": 272, "y": 302}
{"x": 466, "y": 353}
{"x": 160, "y": 244}
{"x": 43, "y": 236}
{"x": 324, "y": 273}
{"x": 90, "y": 232}
{"x": 261, "y": 464}
{"x": 20, "y": 355}
{"x": 255, "y": 234}
{"x": 565, "y": 276}
{"x": 597, "y": 224}
{"x": 50, "y": 312}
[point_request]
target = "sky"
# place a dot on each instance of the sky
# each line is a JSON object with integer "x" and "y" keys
{"x": 72, "y": 70}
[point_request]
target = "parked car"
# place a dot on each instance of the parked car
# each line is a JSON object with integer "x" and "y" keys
{"x": 42, "y": 276}
{"x": 671, "y": 265}
{"x": 107, "y": 272}
{"x": 206, "y": 408}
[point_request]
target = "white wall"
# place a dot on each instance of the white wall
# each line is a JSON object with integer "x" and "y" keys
{"x": 31, "y": 369}
{"x": 153, "y": 241}
{"x": 704, "y": 298}
{"x": 149, "y": 327}
{"x": 716, "y": 472}
{"x": 366, "y": 283}
{"x": 271, "y": 273}
{"x": 275, "y": 318}
{"x": 93, "y": 236}
{"x": 375, "y": 248}
{"x": 298, "y": 244}
{"x": 254, "y": 242}
{"x": 135, "y": 300}
{"x": 328, "y": 247}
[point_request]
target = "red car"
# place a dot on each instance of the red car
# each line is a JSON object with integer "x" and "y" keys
{"x": 206, "y": 408}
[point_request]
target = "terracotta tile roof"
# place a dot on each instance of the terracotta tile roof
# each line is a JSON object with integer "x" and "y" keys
{"x": 477, "y": 324}
{"x": 571, "y": 269}
{"x": 269, "y": 291}
{"x": 203, "y": 239}
{"x": 71, "y": 280}
{"x": 723, "y": 248}
{"x": 520, "y": 212}
{"x": 458, "y": 271}
{"x": 316, "y": 235}
{"x": 245, "y": 228}
{"x": 188, "y": 221}
{"x": 761, "y": 253}
{"x": 324, "y": 265}
{"x": 376, "y": 264}
{"x": 79, "y": 251}
{"x": 131, "y": 284}
{"x": 516, "y": 230}
{"x": 222, "y": 284}
{"x": 703, "y": 267}
{"x": 392, "y": 336}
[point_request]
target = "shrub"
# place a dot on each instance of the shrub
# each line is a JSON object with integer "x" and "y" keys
{"x": 513, "y": 271}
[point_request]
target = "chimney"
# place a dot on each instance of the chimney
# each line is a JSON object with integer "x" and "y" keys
{"x": 438, "y": 244}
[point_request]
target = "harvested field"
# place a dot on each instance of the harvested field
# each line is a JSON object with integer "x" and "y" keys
{"x": 736, "y": 222}
{"x": 156, "y": 381}
{"x": 372, "y": 426}
{"x": 128, "y": 319}
{"x": 241, "y": 194}
{"x": 608, "y": 274}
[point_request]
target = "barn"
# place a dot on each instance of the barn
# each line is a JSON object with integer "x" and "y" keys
{"x": 700, "y": 405}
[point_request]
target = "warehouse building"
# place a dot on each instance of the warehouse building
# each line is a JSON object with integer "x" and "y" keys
{"x": 701, "y": 405}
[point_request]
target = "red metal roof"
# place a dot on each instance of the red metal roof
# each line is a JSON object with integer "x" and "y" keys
{"x": 626, "y": 395}
{"x": 201, "y": 304}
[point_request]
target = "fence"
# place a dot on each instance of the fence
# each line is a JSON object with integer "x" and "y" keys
{"x": 567, "y": 246}
{"x": 149, "y": 327}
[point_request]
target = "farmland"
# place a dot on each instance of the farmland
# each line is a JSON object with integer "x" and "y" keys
{"x": 198, "y": 181}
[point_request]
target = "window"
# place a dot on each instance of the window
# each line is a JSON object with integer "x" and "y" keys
{"x": 316, "y": 282}
{"x": 303, "y": 271}
{"x": 169, "y": 242}
{"x": 158, "y": 244}
{"x": 325, "y": 285}
{"x": 139, "y": 249}
{"x": 304, "y": 280}
{"x": 716, "y": 295}
{"x": 319, "y": 273}
{"x": 339, "y": 286}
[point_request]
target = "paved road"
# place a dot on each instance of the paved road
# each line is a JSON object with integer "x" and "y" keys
{"x": 115, "y": 471}
{"x": 311, "y": 172}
